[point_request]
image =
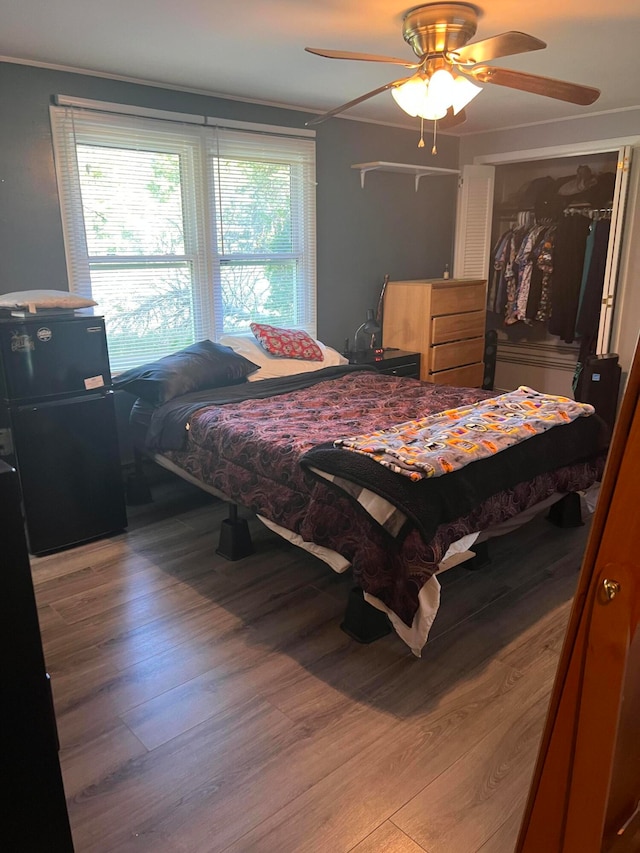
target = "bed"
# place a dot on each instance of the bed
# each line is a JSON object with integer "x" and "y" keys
{"x": 268, "y": 445}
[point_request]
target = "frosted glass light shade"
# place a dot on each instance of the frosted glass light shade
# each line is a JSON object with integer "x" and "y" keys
{"x": 441, "y": 88}
{"x": 411, "y": 95}
{"x": 431, "y": 99}
{"x": 464, "y": 91}
{"x": 431, "y": 109}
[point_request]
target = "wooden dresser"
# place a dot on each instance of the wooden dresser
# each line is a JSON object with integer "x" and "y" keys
{"x": 443, "y": 320}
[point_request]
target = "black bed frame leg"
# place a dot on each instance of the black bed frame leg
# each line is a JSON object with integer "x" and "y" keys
{"x": 566, "y": 512}
{"x": 137, "y": 489}
{"x": 235, "y": 539}
{"x": 362, "y": 621}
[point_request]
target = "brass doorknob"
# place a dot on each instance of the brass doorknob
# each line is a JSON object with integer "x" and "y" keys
{"x": 611, "y": 588}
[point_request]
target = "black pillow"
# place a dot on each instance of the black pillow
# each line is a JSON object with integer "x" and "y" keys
{"x": 195, "y": 368}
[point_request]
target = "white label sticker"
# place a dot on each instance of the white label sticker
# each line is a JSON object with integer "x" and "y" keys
{"x": 44, "y": 334}
{"x": 93, "y": 382}
{"x": 21, "y": 343}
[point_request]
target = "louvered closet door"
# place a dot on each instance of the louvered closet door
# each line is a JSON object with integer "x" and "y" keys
{"x": 625, "y": 326}
{"x": 614, "y": 249}
{"x": 474, "y": 215}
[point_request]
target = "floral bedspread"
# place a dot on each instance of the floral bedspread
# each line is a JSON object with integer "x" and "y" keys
{"x": 250, "y": 451}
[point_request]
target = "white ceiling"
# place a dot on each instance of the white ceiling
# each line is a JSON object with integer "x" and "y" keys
{"x": 253, "y": 49}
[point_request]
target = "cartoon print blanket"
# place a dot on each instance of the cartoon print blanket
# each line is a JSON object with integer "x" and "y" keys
{"x": 447, "y": 441}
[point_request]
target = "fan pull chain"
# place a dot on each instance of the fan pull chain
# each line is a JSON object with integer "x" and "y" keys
{"x": 434, "y": 149}
{"x": 421, "y": 142}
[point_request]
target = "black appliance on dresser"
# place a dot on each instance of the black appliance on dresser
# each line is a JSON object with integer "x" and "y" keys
{"x": 58, "y": 428}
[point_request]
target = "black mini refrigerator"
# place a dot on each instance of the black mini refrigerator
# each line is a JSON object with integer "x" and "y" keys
{"x": 58, "y": 428}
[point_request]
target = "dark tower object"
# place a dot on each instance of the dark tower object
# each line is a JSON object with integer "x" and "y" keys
{"x": 490, "y": 354}
{"x": 598, "y": 383}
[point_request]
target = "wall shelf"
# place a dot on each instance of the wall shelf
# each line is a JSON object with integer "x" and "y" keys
{"x": 417, "y": 171}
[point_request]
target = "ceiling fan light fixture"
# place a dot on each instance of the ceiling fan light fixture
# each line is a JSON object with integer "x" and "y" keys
{"x": 432, "y": 108}
{"x": 441, "y": 89}
{"x": 464, "y": 91}
{"x": 431, "y": 99}
{"x": 410, "y": 96}
{"x": 440, "y": 35}
{"x": 416, "y": 99}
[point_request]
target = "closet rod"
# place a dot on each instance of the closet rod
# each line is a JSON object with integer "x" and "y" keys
{"x": 591, "y": 212}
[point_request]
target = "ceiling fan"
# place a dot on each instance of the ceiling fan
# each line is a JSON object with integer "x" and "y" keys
{"x": 443, "y": 80}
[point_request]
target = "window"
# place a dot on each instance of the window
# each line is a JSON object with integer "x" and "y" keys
{"x": 182, "y": 232}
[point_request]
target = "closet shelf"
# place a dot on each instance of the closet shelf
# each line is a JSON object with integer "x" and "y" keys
{"x": 417, "y": 171}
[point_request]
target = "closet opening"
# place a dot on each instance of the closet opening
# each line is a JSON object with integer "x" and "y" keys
{"x": 550, "y": 260}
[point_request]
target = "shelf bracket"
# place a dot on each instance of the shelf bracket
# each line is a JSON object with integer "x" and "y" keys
{"x": 363, "y": 173}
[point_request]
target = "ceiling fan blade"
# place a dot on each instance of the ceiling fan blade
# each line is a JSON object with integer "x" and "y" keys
{"x": 364, "y": 57}
{"x": 505, "y": 44}
{"x": 559, "y": 89}
{"x": 343, "y": 107}
{"x": 451, "y": 120}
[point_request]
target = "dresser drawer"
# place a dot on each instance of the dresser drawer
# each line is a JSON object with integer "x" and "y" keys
{"x": 456, "y": 299}
{"x": 469, "y": 376}
{"x": 455, "y": 327}
{"x": 445, "y": 356}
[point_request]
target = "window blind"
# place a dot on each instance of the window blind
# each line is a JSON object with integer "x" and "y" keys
{"x": 182, "y": 232}
{"x": 265, "y": 228}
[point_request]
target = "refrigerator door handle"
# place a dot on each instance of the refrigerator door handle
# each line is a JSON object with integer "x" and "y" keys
{"x": 6, "y": 442}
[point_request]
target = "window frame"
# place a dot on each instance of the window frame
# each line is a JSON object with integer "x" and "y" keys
{"x": 197, "y": 141}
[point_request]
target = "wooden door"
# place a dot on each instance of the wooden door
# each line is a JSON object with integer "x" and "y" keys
{"x": 585, "y": 793}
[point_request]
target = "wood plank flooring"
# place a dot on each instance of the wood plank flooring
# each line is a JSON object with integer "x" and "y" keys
{"x": 206, "y": 706}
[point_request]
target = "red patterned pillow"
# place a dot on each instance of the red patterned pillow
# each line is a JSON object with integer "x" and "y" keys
{"x": 287, "y": 343}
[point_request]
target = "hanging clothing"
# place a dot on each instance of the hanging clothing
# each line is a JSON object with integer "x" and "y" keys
{"x": 517, "y": 305}
{"x": 551, "y": 273}
{"x": 504, "y": 267}
{"x": 588, "y": 254}
{"x": 539, "y": 302}
{"x": 569, "y": 253}
{"x": 588, "y": 318}
{"x": 522, "y": 267}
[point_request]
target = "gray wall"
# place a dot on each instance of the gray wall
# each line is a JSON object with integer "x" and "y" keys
{"x": 583, "y": 129}
{"x": 386, "y": 227}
